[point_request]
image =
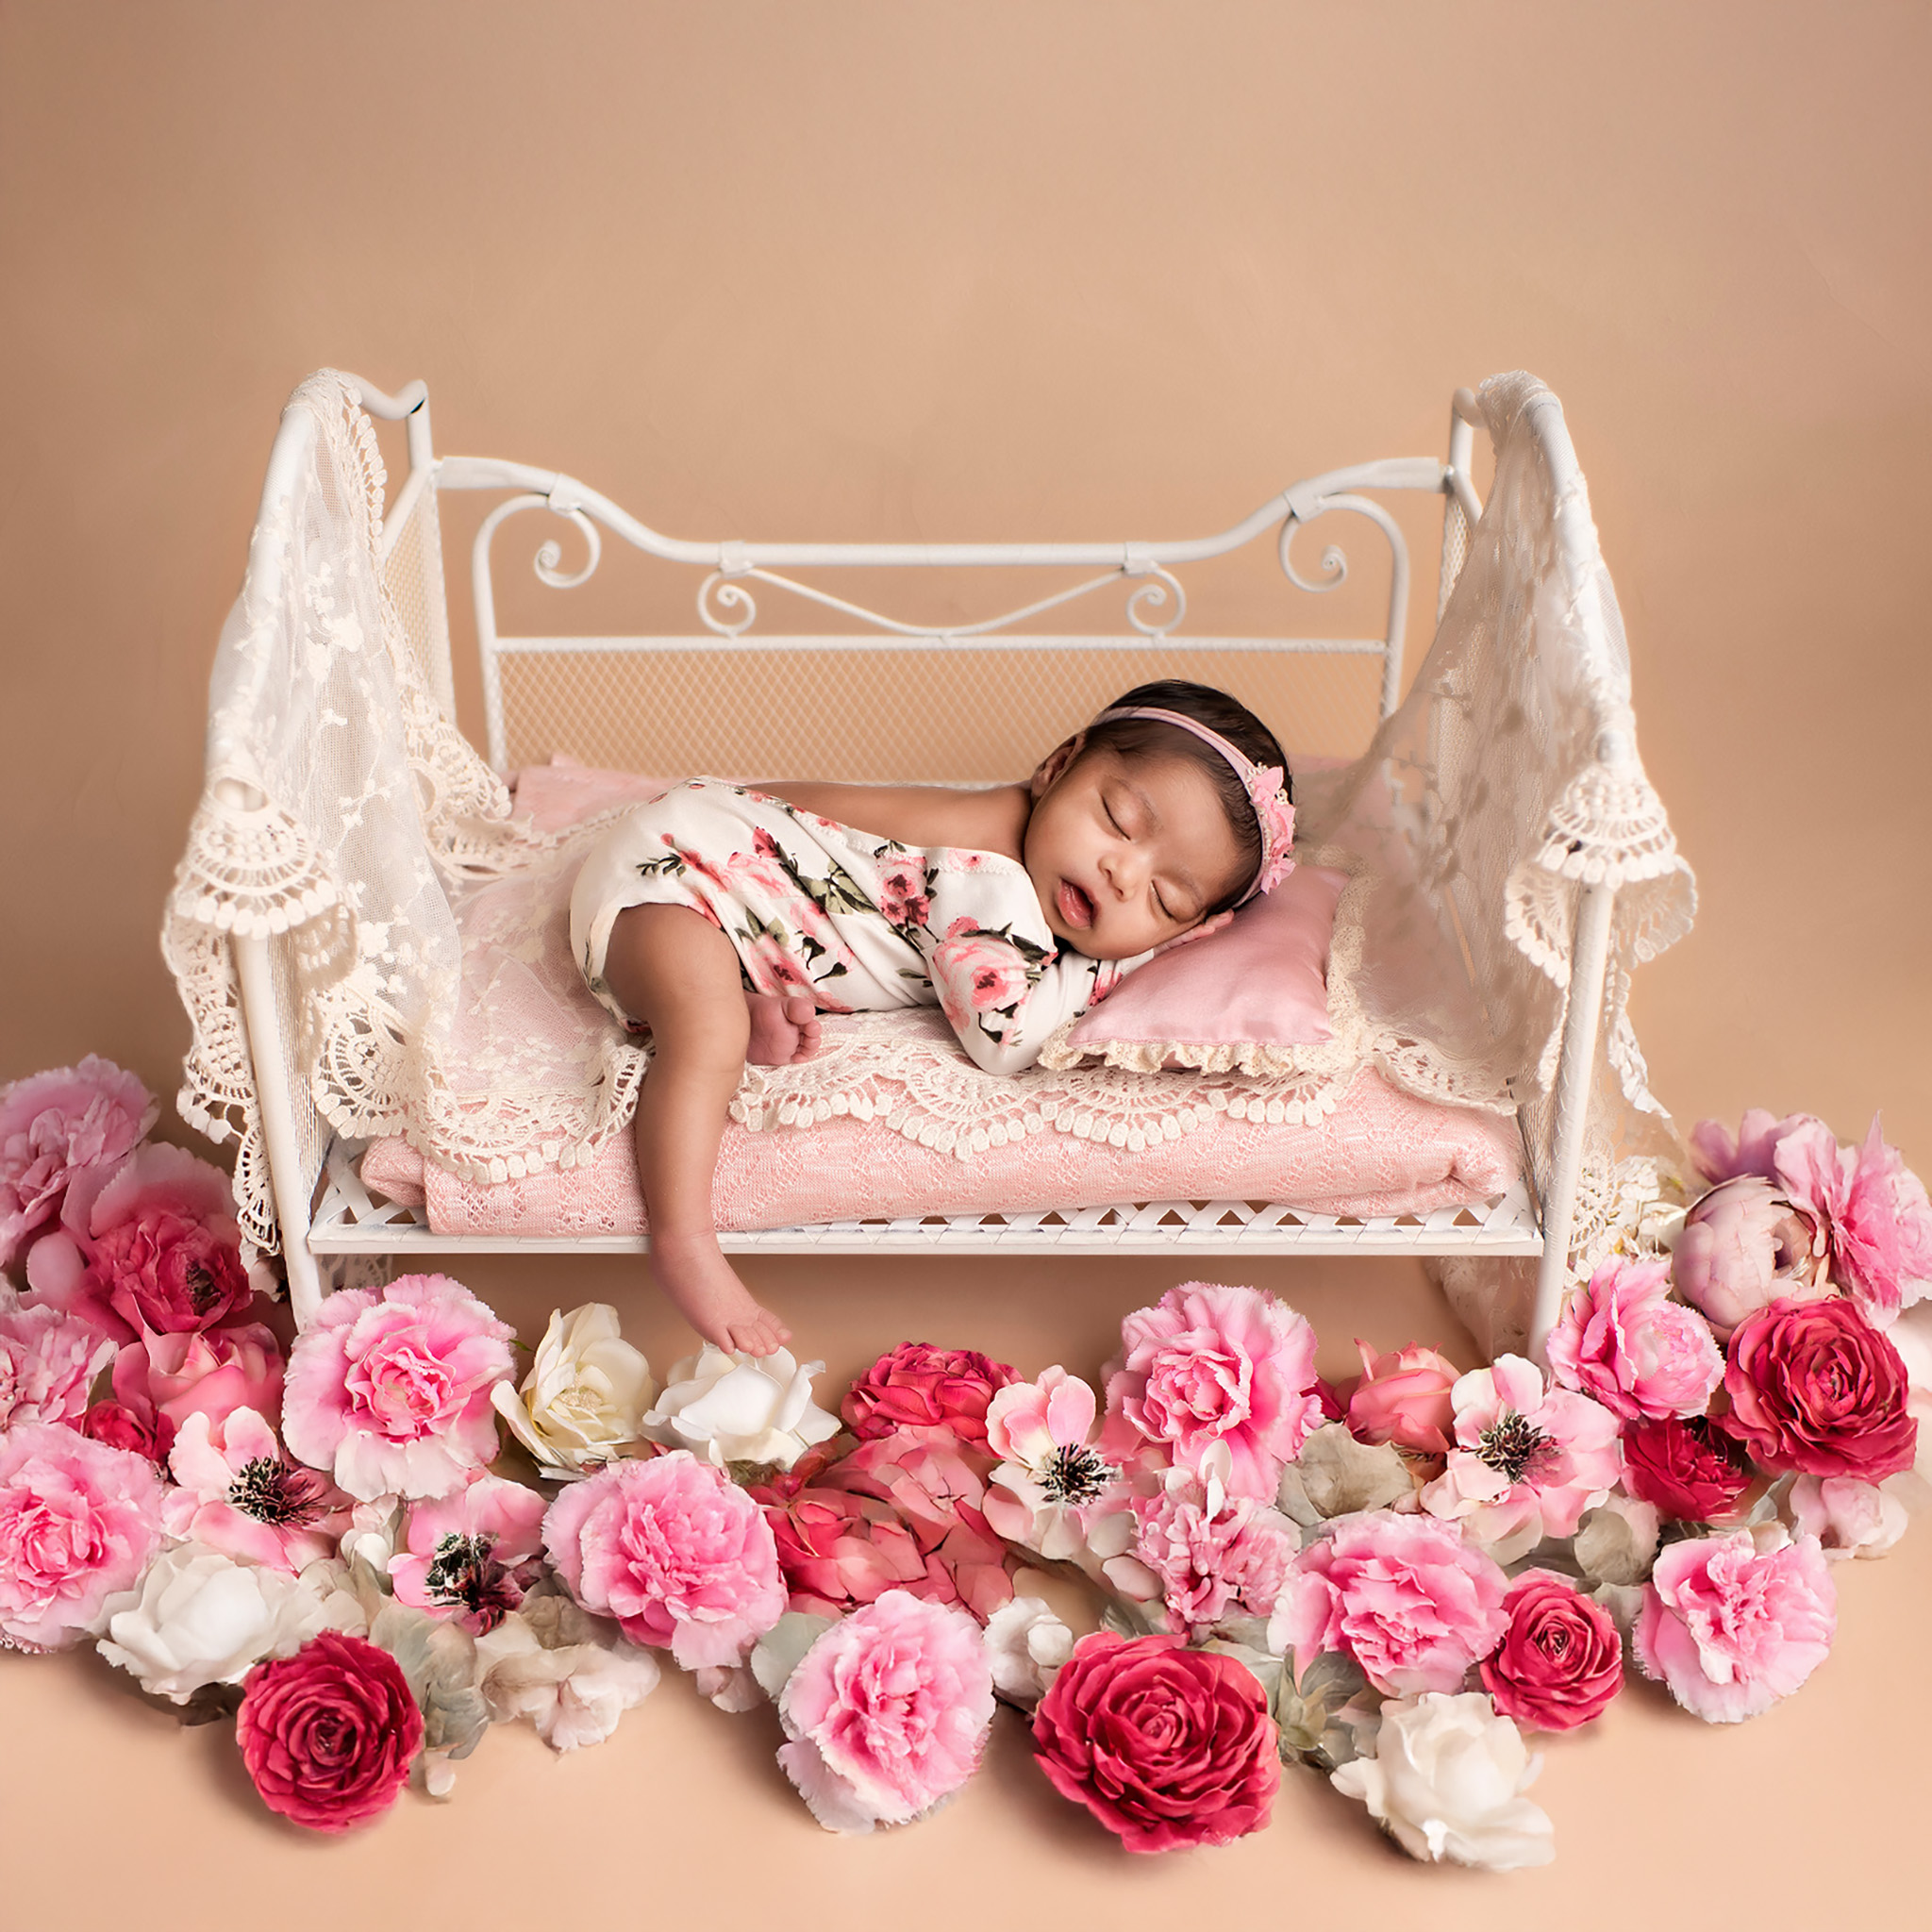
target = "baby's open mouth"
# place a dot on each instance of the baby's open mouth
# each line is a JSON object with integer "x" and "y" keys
{"x": 1076, "y": 908}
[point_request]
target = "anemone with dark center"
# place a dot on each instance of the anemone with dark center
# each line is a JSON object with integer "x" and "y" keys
{"x": 281, "y": 1494}
{"x": 1512, "y": 1445}
{"x": 464, "y": 1574}
{"x": 1074, "y": 1474}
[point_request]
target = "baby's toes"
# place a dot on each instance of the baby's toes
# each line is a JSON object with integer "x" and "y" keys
{"x": 811, "y": 1038}
{"x": 799, "y": 1010}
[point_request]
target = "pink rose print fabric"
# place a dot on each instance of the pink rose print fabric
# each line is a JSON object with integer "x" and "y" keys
{"x": 857, "y": 922}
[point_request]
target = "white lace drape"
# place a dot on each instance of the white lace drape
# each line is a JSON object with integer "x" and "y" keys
{"x": 426, "y": 990}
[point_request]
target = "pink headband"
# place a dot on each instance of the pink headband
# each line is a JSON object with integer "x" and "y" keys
{"x": 1274, "y": 814}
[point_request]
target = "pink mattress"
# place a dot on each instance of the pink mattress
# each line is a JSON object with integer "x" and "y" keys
{"x": 1381, "y": 1152}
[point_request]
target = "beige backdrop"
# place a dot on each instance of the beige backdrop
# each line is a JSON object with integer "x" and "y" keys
{"x": 858, "y": 268}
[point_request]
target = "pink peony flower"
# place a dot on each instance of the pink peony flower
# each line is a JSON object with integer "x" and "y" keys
{"x": 1406, "y": 1596}
{"x": 1561, "y": 1661}
{"x": 389, "y": 1389}
{"x": 1527, "y": 1462}
{"x": 79, "y": 1523}
{"x": 471, "y": 1555}
{"x": 164, "y": 1242}
{"x": 1403, "y": 1398}
{"x": 1210, "y": 1363}
{"x": 1876, "y": 1218}
{"x": 1214, "y": 1555}
{"x": 888, "y": 1712}
{"x": 212, "y": 1372}
{"x": 1685, "y": 1468}
{"x": 1731, "y": 1627}
{"x": 48, "y": 1362}
{"x": 1050, "y": 1473}
{"x": 1744, "y": 1245}
{"x": 839, "y": 1550}
{"x": 919, "y": 1386}
{"x": 1624, "y": 1342}
{"x": 240, "y": 1494}
{"x": 674, "y": 1550}
{"x": 57, "y": 1124}
{"x": 1720, "y": 1159}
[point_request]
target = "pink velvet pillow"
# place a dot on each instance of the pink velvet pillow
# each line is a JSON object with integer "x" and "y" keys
{"x": 1261, "y": 981}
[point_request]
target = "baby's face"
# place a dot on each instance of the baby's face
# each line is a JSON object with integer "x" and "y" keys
{"x": 1126, "y": 853}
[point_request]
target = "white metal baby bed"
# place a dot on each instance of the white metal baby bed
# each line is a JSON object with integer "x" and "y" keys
{"x": 327, "y": 1218}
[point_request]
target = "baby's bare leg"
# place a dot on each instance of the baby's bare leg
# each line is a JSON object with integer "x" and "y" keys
{"x": 673, "y": 970}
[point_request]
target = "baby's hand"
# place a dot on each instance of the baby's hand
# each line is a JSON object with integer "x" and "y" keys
{"x": 1205, "y": 930}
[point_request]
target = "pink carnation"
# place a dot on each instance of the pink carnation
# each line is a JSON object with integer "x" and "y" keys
{"x": 239, "y": 1493}
{"x": 390, "y": 1389}
{"x": 1412, "y": 1602}
{"x": 79, "y": 1523}
{"x": 888, "y": 1712}
{"x": 1208, "y": 1364}
{"x": 1210, "y": 1561}
{"x": 1878, "y": 1220}
{"x": 48, "y": 1361}
{"x": 1732, "y": 1628}
{"x": 212, "y": 1372}
{"x": 57, "y": 1124}
{"x": 471, "y": 1555}
{"x": 673, "y": 1550}
{"x": 1624, "y": 1342}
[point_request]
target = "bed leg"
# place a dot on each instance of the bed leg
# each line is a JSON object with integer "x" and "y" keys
{"x": 1589, "y": 957}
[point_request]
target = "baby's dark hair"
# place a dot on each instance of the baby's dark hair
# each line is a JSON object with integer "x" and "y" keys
{"x": 1136, "y": 737}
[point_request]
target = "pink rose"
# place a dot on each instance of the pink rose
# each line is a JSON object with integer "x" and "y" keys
{"x": 903, "y": 896}
{"x": 1167, "y": 1746}
{"x": 1815, "y": 1387}
{"x": 1685, "y": 1467}
{"x": 164, "y": 1244}
{"x": 471, "y": 1555}
{"x": 1208, "y": 1364}
{"x": 920, "y": 1386}
{"x": 57, "y": 1124}
{"x": 1406, "y": 1596}
{"x": 48, "y": 1362}
{"x": 1404, "y": 1398}
{"x": 888, "y": 1712}
{"x": 1731, "y": 1627}
{"x": 839, "y": 1550}
{"x": 210, "y": 1373}
{"x": 145, "y": 1431}
{"x": 1754, "y": 1151}
{"x": 774, "y": 968}
{"x": 673, "y": 1549}
{"x": 977, "y": 974}
{"x": 1561, "y": 1660}
{"x": 79, "y": 1523}
{"x": 1527, "y": 1461}
{"x": 328, "y": 1734}
{"x": 1744, "y": 1245}
{"x": 389, "y": 1389}
{"x": 240, "y": 1494}
{"x": 1878, "y": 1220}
{"x": 1624, "y": 1342}
{"x": 1211, "y": 1561}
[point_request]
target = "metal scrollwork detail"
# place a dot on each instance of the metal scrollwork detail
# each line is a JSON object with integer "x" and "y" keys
{"x": 1334, "y": 559}
{"x": 550, "y": 555}
{"x": 1150, "y": 598}
{"x": 730, "y": 596}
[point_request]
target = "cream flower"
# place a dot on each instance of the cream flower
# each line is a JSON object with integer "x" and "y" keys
{"x": 740, "y": 1409}
{"x": 1026, "y": 1644}
{"x": 566, "y": 1672}
{"x": 584, "y": 1400}
{"x": 1447, "y": 1782}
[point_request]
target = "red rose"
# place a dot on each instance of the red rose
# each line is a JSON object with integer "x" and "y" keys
{"x": 151, "y": 1435}
{"x": 1561, "y": 1660}
{"x": 1166, "y": 1746}
{"x": 1686, "y": 1466}
{"x": 1815, "y": 1388}
{"x": 328, "y": 1734}
{"x": 918, "y": 1386}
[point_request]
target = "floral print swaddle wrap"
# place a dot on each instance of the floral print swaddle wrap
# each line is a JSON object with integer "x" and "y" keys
{"x": 855, "y": 922}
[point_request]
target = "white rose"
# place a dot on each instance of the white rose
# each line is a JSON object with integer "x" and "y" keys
{"x": 199, "y": 1617}
{"x": 740, "y": 1409}
{"x": 573, "y": 1691}
{"x": 1849, "y": 1518}
{"x": 1026, "y": 1644}
{"x": 584, "y": 1400}
{"x": 1446, "y": 1782}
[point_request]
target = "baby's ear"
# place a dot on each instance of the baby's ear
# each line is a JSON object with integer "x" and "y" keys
{"x": 1055, "y": 761}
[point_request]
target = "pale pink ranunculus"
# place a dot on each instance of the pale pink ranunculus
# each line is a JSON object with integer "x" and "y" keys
{"x": 1742, "y": 1246}
{"x": 888, "y": 1712}
{"x": 1408, "y": 1597}
{"x": 1213, "y": 1555}
{"x": 1622, "y": 1340}
{"x": 1528, "y": 1461}
{"x": 1403, "y": 1398}
{"x": 1211, "y": 1363}
{"x": 1720, "y": 1157}
{"x": 48, "y": 1362}
{"x": 57, "y": 1124}
{"x": 389, "y": 1389}
{"x": 238, "y": 1493}
{"x": 977, "y": 974}
{"x": 78, "y": 1521}
{"x": 1849, "y": 1517}
{"x": 1877, "y": 1217}
{"x": 673, "y": 1550}
{"x": 471, "y": 1555}
{"x": 1731, "y": 1624}
{"x": 209, "y": 1371}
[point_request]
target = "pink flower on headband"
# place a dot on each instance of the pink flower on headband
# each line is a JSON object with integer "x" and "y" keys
{"x": 1276, "y": 817}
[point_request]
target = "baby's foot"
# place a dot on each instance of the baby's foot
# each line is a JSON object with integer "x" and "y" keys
{"x": 784, "y": 1027}
{"x": 692, "y": 1270}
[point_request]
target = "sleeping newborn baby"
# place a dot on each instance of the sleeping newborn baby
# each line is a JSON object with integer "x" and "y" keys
{"x": 723, "y": 919}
